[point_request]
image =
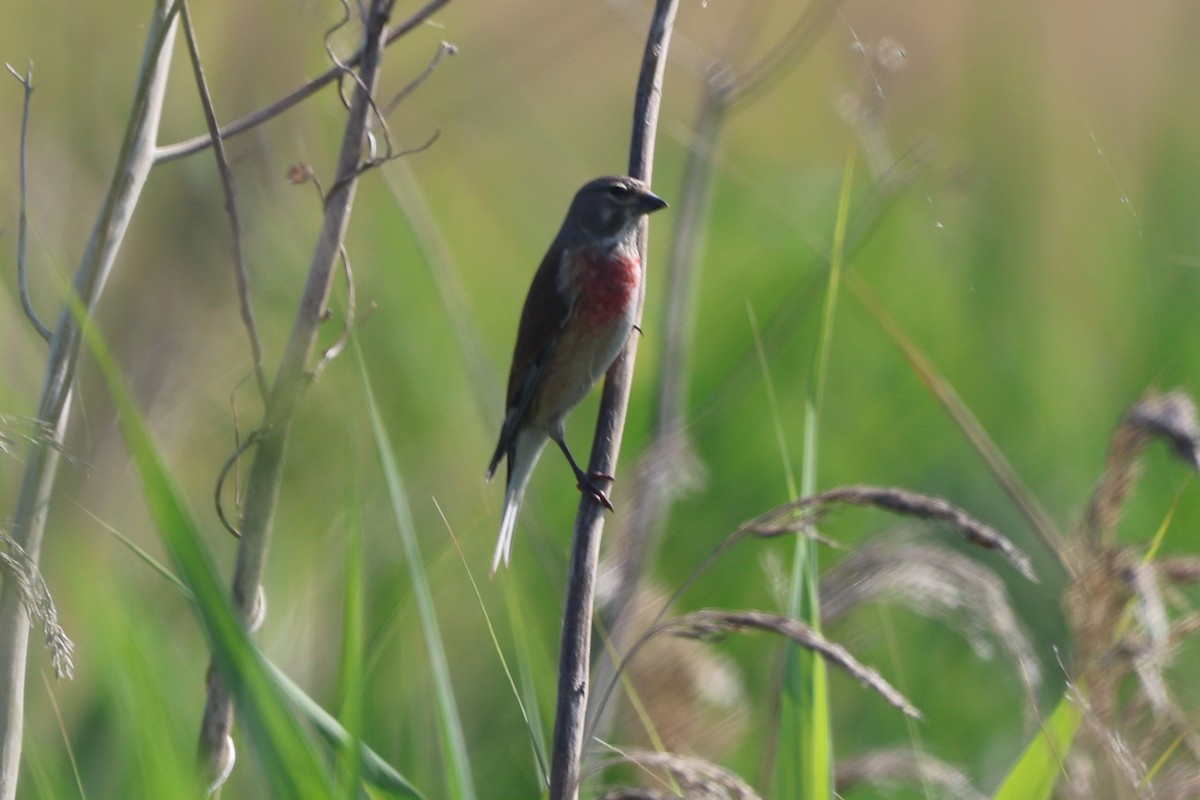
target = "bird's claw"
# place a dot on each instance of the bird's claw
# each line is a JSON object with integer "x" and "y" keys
{"x": 587, "y": 485}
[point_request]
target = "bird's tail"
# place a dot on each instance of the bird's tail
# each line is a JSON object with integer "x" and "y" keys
{"x": 508, "y": 525}
{"x": 526, "y": 450}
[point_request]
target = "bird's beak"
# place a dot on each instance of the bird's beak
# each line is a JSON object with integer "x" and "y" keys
{"x": 649, "y": 202}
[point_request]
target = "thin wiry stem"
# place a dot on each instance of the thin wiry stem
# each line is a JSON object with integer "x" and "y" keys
{"x": 196, "y": 144}
{"x": 444, "y": 49}
{"x": 26, "y": 81}
{"x": 240, "y": 273}
{"x": 574, "y": 668}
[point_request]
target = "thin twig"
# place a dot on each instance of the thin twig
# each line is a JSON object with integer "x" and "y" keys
{"x": 194, "y": 145}
{"x": 391, "y": 155}
{"x": 230, "y": 463}
{"x": 26, "y": 81}
{"x": 573, "y": 672}
{"x": 444, "y": 49}
{"x": 331, "y": 54}
{"x": 240, "y": 273}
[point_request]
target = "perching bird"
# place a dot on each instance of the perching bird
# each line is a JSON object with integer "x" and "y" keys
{"x": 577, "y": 317}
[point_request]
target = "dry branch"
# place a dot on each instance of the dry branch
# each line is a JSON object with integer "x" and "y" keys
{"x": 41, "y": 466}
{"x": 263, "y": 482}
{"x": 254, "y": 119}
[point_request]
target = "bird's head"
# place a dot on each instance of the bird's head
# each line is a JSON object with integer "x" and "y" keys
{"x": 609, "y": 208}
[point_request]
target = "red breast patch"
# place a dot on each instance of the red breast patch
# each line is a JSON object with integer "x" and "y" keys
{"x": 608, "y": 287}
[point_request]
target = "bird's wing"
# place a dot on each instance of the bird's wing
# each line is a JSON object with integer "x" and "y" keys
{"x": 543, "y": 318}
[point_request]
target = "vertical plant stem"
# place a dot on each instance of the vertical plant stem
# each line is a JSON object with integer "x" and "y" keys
{"x": 805, "y": 766}
{"x": 266, "y": 470}
{"x": 573, "y": 671}
{"x": 37, "y": 485}
{"x": 668, "y": 469}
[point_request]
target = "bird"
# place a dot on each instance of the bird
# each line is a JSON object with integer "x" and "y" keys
{"x": 578, "y": 314}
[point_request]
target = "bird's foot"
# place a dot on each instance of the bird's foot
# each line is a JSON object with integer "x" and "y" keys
{"x": 587, "y": 485}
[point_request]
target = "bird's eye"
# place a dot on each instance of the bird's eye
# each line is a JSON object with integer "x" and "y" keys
{"x": 621, "y": 194}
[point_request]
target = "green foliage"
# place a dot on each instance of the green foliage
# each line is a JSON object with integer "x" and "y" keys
{"x": 292, "y": 765}
{"x": 1038, "y": 770}
{"x": 454, "y": 750}
{"x": 1042, "y": 255}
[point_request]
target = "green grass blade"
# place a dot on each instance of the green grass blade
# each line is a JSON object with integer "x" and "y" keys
{"x": 454, "y": 749}
{"x": 350, "y": 672}
{"x": 967, "y": 422}
{"x": 804, "y": 766}
{"x": 140, "y": 553}
{"x": 375, "y": 770}
{"x": 526, "y": 697}
{"x": 65, "y": 736}
{"x": 289, "y": 759}
{"x": 1036, "y": 773}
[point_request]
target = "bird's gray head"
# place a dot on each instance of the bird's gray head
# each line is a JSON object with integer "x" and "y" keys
{"x": 609, "y": 208}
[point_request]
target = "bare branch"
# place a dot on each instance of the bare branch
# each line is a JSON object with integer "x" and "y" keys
{"x": 133, "y": 166}
{"x": 252, "y": 120}
{"x": 26, "y": 81}
{"x": 240, "y": 273}
{"x": 292, "y": 377}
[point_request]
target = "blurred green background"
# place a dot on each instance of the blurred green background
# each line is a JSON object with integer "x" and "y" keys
{"x": 1046, "y": 257}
